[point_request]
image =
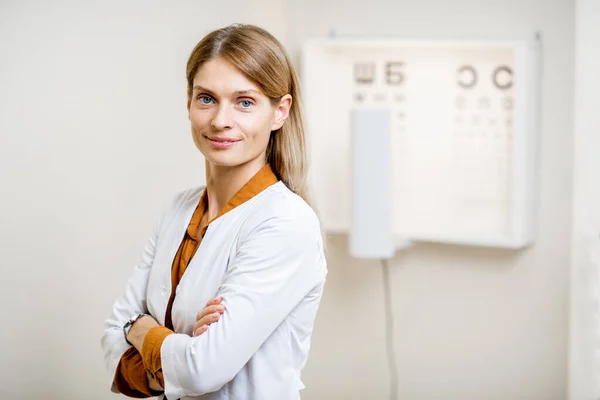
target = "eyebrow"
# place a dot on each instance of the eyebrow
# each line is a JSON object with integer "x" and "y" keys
{"x": 236, "y": 93}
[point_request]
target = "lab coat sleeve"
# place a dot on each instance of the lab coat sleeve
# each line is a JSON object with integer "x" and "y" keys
{"x": 131, "y": 302}
{"x": 275, "y": 267}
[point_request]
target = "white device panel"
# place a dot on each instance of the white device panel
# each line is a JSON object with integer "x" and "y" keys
{"x": 371, "y": 233}
{"x": 464, "y": 140}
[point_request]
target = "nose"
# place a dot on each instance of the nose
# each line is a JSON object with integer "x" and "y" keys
{"x": 223, "y": 119}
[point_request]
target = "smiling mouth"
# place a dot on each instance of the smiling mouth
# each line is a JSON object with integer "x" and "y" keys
{"x": 222, "y": 143}
{"x": 222, "y": 140}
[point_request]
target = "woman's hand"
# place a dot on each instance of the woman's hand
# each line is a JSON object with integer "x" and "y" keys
{"x": 209, "y": 314}
{"x": 138, "y": 331}
{"x": 153, "y": 383}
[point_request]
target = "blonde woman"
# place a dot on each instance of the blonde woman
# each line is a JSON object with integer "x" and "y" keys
{"x": 223, "y": 303}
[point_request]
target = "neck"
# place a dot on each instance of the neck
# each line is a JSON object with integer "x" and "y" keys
{"x": 222, "y": 183}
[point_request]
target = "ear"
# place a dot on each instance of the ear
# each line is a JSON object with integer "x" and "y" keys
{"x": 189, "y": 103}
{"x": 282, "y": 111}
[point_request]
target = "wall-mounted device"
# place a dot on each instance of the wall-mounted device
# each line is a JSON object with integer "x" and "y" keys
{"x": 423, "y": 140}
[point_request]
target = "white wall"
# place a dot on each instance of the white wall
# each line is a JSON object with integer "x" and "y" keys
{"x": 585, "y": 313}
{"x": 471, "y": 324}
{"x": 94, "y": 139}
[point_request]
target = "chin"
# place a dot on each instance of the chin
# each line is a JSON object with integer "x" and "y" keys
{"x": 222, "y": 160}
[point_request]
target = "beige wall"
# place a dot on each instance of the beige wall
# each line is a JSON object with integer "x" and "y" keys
{"x": 94, "y": 140}
{"x": 470, "y": 324}
{"x": 584, "y": 364}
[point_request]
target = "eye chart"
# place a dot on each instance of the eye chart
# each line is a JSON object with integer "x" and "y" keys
{"x": 463, "y": 141}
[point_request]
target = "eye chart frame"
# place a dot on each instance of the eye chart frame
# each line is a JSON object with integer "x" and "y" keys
{"x": 464, "y": 142}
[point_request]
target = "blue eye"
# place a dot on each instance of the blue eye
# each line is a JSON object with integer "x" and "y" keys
{"x": 204, "y": 99}
{"x": 245, "y": 103}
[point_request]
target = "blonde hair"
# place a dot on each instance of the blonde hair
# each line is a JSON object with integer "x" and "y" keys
{"x": 263, "y": 59}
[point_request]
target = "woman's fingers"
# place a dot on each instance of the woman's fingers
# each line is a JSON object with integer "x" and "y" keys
{"x": 202, "y": 324}
{"x": 214, "y": 300}
{"x": 209, "y": 314}
{"x": 210, "y": 310}
{"x": 207, "y": 320}
{"x": 200, "y": 330}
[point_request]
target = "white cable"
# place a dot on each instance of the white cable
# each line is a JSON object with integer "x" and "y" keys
{"x": 389, "y": 322}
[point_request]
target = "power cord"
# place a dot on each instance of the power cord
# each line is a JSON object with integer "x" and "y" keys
{"x": 389, "y": 325}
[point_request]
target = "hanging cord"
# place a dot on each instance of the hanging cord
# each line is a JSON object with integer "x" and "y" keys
{"x": 389, "y": 322}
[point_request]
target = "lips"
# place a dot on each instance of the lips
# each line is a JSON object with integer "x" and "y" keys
{"x": 222, "y": 143}
{"x": 222, "y": 139}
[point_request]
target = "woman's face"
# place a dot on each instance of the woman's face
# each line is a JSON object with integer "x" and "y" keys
{"x": 231, "y": 118}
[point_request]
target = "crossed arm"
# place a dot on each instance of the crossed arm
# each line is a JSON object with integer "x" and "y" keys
{"x": 208, "y": 315}
{"x": 274, "y": 268}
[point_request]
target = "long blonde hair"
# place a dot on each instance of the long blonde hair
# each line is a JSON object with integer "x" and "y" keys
{"x": 263, "y": 59}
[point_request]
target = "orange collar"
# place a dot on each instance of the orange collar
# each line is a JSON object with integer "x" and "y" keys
{"x": 259, "y": 182}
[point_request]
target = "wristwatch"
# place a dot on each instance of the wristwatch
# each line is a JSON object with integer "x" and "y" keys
{"x": 129, "y": 324}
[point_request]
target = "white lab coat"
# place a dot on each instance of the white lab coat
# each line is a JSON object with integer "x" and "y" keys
{"x": 265, "y": 257}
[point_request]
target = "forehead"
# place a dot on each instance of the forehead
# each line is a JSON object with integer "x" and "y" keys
{"x": 221, "y": 77}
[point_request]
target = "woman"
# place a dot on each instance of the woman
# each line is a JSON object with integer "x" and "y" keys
{"x": 249, "y": 243}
